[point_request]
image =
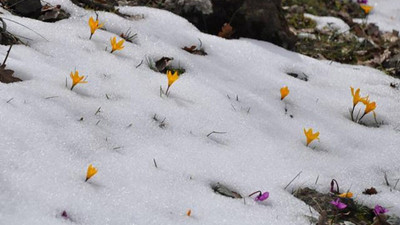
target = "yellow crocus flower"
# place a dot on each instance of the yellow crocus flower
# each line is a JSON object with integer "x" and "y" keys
{"x": 91, "y": 171}
{"x": 76, "y": 79}
{"x": 310, "y": 136}
{"x": 116, "y": 45}
{"x": 369, "y": 106}
{"x": 356, "y": 96}
{"x": 366, "y": 8}
{"x": 346, "y": 195}
{"x": 284, "y": 92}
{"x": 94, "y": 25}
{"x": 171, "y": 79}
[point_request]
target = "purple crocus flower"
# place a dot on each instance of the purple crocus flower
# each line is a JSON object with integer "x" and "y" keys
{"x": 338, "y": 204}
{"x": 362, "y": 1}
{"x": 380, "y": 210}
{"x": 262, "y": 197}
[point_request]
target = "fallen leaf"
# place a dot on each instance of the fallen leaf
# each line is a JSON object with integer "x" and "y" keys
{"x": 370, "y": 191}
{"x": 193, "y": 50}
{"x": 226, "y": 31}
{"x": 6, "y": 75}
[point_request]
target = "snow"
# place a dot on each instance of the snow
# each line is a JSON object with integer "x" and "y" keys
{"x": 329, "y": 22}
{"x": 385, "y": 14}
{"x": 46, "y": 147}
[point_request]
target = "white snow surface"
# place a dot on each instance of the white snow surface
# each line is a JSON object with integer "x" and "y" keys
{"x": 386, "y": 14}
{"x": 46, "y": 148}
{"x": 329, "y": 22}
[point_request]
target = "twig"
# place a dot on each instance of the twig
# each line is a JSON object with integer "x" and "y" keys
{"x": 10, "y": 100}
{"x": 26, "y": 28}
{"x": 97, "y": 122}
{"x": 98, "y": 111}
{"x": 155, "y": 163}
{"x": 8, "y": 53}
{"x": 215, "y": 132}
{"x": 141, "y": 62}
{"x": 316, "y": 181}
{"x": 51, "y": 97}
{"x": 396, "y": 183}
{"x": 386, "y": 179}
{"x": 293, "y": 180}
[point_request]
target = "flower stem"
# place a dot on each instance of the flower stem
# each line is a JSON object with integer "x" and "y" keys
{"x": 333, "y": 185}
{"x": 72, "y": 87}
{"x": 352, "y": 112}
{"x": 259, "y": 193}
{"x": 376, "y": 121}
{"x": 91, "y": 34}
{"x": 166, "y": 92}
{"x": 357, "y": 120}
{"x": 362, "y": 117}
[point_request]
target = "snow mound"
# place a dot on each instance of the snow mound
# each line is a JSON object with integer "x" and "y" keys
{"x": 50, "y": 134}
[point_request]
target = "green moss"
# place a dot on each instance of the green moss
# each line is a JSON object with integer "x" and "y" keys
{"x": 354, "y": 212}
{"x": 328, "y": 7}
{"x": 298, "y": 21}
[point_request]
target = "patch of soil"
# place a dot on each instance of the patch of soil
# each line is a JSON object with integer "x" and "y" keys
{"x": 225, "y": 191}
{"x": 327, "y": 7}
{"x": 363, "y": 44}
{"x": 164, "y": 64}
{"x": 35, "y": 10}
{"x": 354, "y": 212}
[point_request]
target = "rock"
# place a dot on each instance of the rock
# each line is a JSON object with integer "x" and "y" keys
{"x": 106, "y": 5}
{"x": 225, "y": 191}
{"x": 262, "y": 20}
{"x": 27, "y": 8}
{"x": 393, "y": 64}
{"x": 163, "y": 63}
{"x": 53, "y": 13}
